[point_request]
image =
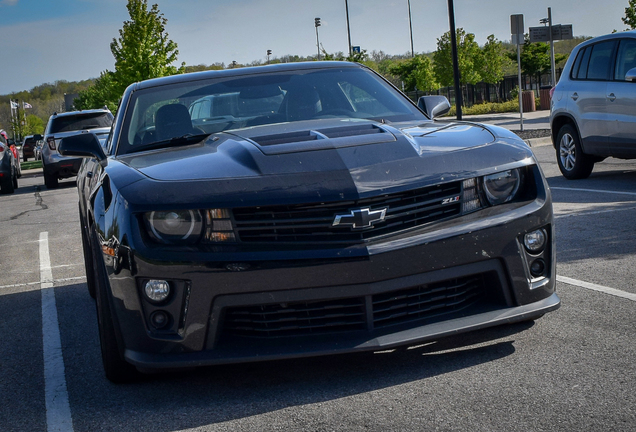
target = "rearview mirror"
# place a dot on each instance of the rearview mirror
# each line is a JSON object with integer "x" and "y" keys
{"x": 84, "y": 145}
{"x": 434, "y": 106}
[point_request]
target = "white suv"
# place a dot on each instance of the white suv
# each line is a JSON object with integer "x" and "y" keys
{"x": 593, "y": 109}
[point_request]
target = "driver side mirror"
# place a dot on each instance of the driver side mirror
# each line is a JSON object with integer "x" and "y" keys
{"x": 631, "y": 75}
{"x": 434, "y": 106}
{"x": 84, "y": 145}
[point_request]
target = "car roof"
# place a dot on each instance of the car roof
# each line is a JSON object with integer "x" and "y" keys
{"x": 253, "y": 70}
{"x": 618, "y": 35}
{"x": 69, "y": 113}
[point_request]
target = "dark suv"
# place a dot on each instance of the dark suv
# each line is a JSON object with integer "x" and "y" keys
{"x": 62, "y": 125}
{"x": 593, "y": 112}
{"x": 28, "y": 146}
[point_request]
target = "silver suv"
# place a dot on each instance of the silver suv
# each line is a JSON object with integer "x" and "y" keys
{"x": 593, "y": 108}
{"x": 56, "y": 166}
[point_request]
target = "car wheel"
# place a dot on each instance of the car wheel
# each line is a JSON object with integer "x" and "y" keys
{"x": 50, "y": 180}
{"x": 24, "y": 158}
{"x": 116, "y": 368}
{"x": 88, "y": 261}
{"x": 573, "y": 163}
{"x": 15, "y": 181}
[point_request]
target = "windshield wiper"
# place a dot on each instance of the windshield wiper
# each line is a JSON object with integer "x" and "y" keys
{"x": 173, "y": 142}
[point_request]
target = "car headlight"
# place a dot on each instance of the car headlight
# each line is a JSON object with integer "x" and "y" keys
{"x": 174, "y": 226}
{"x": 501, "y": 187}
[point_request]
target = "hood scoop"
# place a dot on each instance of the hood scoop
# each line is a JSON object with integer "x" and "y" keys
{"x": 321, "y": 139}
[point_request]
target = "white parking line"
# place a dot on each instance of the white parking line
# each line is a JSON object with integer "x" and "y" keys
{"x": 600, "y": 288}
{"x": 58, "y": 410}
{"x": 584, "y": 213}
{"x": 40, "y": 283}
{"x": 595, "y": 190}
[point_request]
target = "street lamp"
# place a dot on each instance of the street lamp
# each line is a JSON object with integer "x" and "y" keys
{"x": 411, "y": 29}
{"x": 458, "y": 92}
{"x": 348, "y": 29}
{"x": 269, "y": 52}
{"x": 317, "y": 24}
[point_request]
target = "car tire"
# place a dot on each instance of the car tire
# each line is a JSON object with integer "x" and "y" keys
{"x": 88, "y": 260}
{"x": 573, "y": 163}
{"x": 116, "y": 369}
{"x": 24, "y": 158}
{"x": 50, "y": 180}
{"x": 15, "y": 181}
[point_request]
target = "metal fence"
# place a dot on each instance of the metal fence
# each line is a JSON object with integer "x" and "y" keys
{"x": 483, "y": 92}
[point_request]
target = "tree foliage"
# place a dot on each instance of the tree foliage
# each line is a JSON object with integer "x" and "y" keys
{"x": 493, "y": 61}
{"x": 630, "y": 14}
{"x": 416, "y": 72}
{"x": 468, "y": 55}
{"x": 142, "y": 51}
{"x": 535, "y": 57}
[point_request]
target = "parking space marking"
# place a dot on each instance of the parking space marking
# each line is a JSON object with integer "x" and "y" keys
{"x": 56, "y": 281}
{"x": 594, "y": 190}
{"x": 600, "y": 288}
{"x": 58, "y": 410}
{"x": 584, "y": 213}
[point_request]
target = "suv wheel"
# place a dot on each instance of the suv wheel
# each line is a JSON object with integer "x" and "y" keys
{"x": 8, "y": 185}
{"x": 50, "y": 179}
{"x": 573, "y": 163}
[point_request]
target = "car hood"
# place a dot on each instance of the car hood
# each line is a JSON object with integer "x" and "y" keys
{"x": 350, "y": 157}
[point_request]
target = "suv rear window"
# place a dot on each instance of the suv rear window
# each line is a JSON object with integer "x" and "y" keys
{"x": 81, "y": 121}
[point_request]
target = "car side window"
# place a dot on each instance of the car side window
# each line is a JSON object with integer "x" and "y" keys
{"x": 625, "y": 59}
{"x": 583, "y": 60}
{"x": 599, "y": 67}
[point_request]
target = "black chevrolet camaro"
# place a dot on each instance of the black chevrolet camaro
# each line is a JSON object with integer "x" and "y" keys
{"x": 298, "y": 210}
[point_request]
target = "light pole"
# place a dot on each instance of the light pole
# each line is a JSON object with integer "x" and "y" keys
{"x": 458, "y": 92}
{"x": 269, "y": 53}
{"x": 317, "y": 24}
{"x": 411, "y": 29}
{"x": 348, "y": 29}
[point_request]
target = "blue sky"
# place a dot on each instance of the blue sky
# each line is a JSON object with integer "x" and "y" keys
{"x": 47, "y": 40}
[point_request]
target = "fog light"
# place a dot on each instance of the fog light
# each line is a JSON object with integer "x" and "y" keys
{"x": 157, "y": 290}
{"x": 535, "y": 241}
{"x": 159, "y": 319}
{"x": 537, "y": 268}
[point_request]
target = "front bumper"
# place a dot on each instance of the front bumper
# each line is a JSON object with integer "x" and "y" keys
{"x": 235, "y": 307}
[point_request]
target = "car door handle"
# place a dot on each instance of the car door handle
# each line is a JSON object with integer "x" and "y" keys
{"x": 611, "y": 97}
{"x": 575, "y": 95}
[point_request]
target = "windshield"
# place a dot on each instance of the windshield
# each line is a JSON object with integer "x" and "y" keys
{"x": 202, "y": 107}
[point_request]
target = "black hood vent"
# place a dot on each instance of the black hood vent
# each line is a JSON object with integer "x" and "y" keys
{"x": 320, "y": 139}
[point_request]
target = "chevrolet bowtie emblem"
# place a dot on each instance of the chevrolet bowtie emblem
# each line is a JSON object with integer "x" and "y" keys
{"x": 360, "y": 218}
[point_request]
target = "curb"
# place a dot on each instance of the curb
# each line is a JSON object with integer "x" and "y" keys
{"x": 539, "y": 142}
{"x": 32, "y": 173}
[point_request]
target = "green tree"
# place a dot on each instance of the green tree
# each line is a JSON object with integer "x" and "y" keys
{"x": 493, "y": 62}
{"x": 142, "y": 51}
{"x": 535, "y": 58}
{"x": 630, "y": 14}
{"x": 416, "y": 72}
{"x": 34, "y": 125}
{"x": 468, "y": 54}
{"x": 99, "y": 94}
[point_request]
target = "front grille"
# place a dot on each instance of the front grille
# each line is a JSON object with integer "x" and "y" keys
{"x": 312, "y": 223}
{"x": 413, "y": 306}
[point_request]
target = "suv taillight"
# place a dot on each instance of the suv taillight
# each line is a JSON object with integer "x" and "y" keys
{"x": 51, "y": 142}
{"x": 552, "y": 92}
